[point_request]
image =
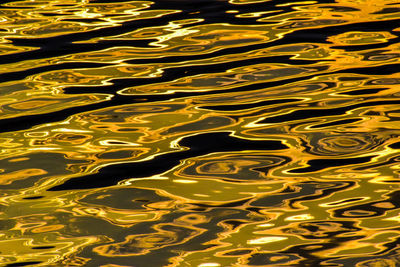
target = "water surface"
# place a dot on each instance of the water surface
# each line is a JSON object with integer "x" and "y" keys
{"x": 199, "y": 133}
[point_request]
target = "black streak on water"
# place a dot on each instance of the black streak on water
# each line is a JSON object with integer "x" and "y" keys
{"x": 198, "y": 145}
{"x": 19, "y": 264}
{"x": 334, "y": 123}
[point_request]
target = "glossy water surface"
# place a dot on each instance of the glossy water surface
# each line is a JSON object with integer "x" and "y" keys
{"x": 199, "y": 133}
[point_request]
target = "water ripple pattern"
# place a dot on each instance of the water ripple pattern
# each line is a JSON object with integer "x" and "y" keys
{"x": 207, "y": 133}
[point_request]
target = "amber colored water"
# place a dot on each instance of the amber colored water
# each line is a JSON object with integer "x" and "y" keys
{"x": 206, "y": 133}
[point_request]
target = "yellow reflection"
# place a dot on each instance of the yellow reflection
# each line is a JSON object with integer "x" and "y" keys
{"x": 265, "y": 240}
{"x": 209, "y": 264}
{"x": 300, "y": 217}
{"x": 325, "y": 100}
{"x": 182, "y": 181}
{"x": 37, "y": 15}
{"x": 361, "y": 38}
{"x": 244, "y": 2}
{"x": 20, "y": 175}
{"x": 298, "y": 3}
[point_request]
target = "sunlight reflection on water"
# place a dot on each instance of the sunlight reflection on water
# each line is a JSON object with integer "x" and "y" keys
{"x": 199, "y": 133}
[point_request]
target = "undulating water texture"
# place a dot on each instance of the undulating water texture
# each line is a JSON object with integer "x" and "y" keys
{"x": 206, "y": 133}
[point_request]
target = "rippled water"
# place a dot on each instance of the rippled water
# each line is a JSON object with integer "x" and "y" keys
{"x": 199, "y": 133}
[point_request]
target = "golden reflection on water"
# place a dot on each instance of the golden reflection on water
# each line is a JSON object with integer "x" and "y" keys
{"x": 138, "y": 135}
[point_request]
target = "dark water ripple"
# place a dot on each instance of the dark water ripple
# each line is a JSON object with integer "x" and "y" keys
{"x": 199, "y": 133}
